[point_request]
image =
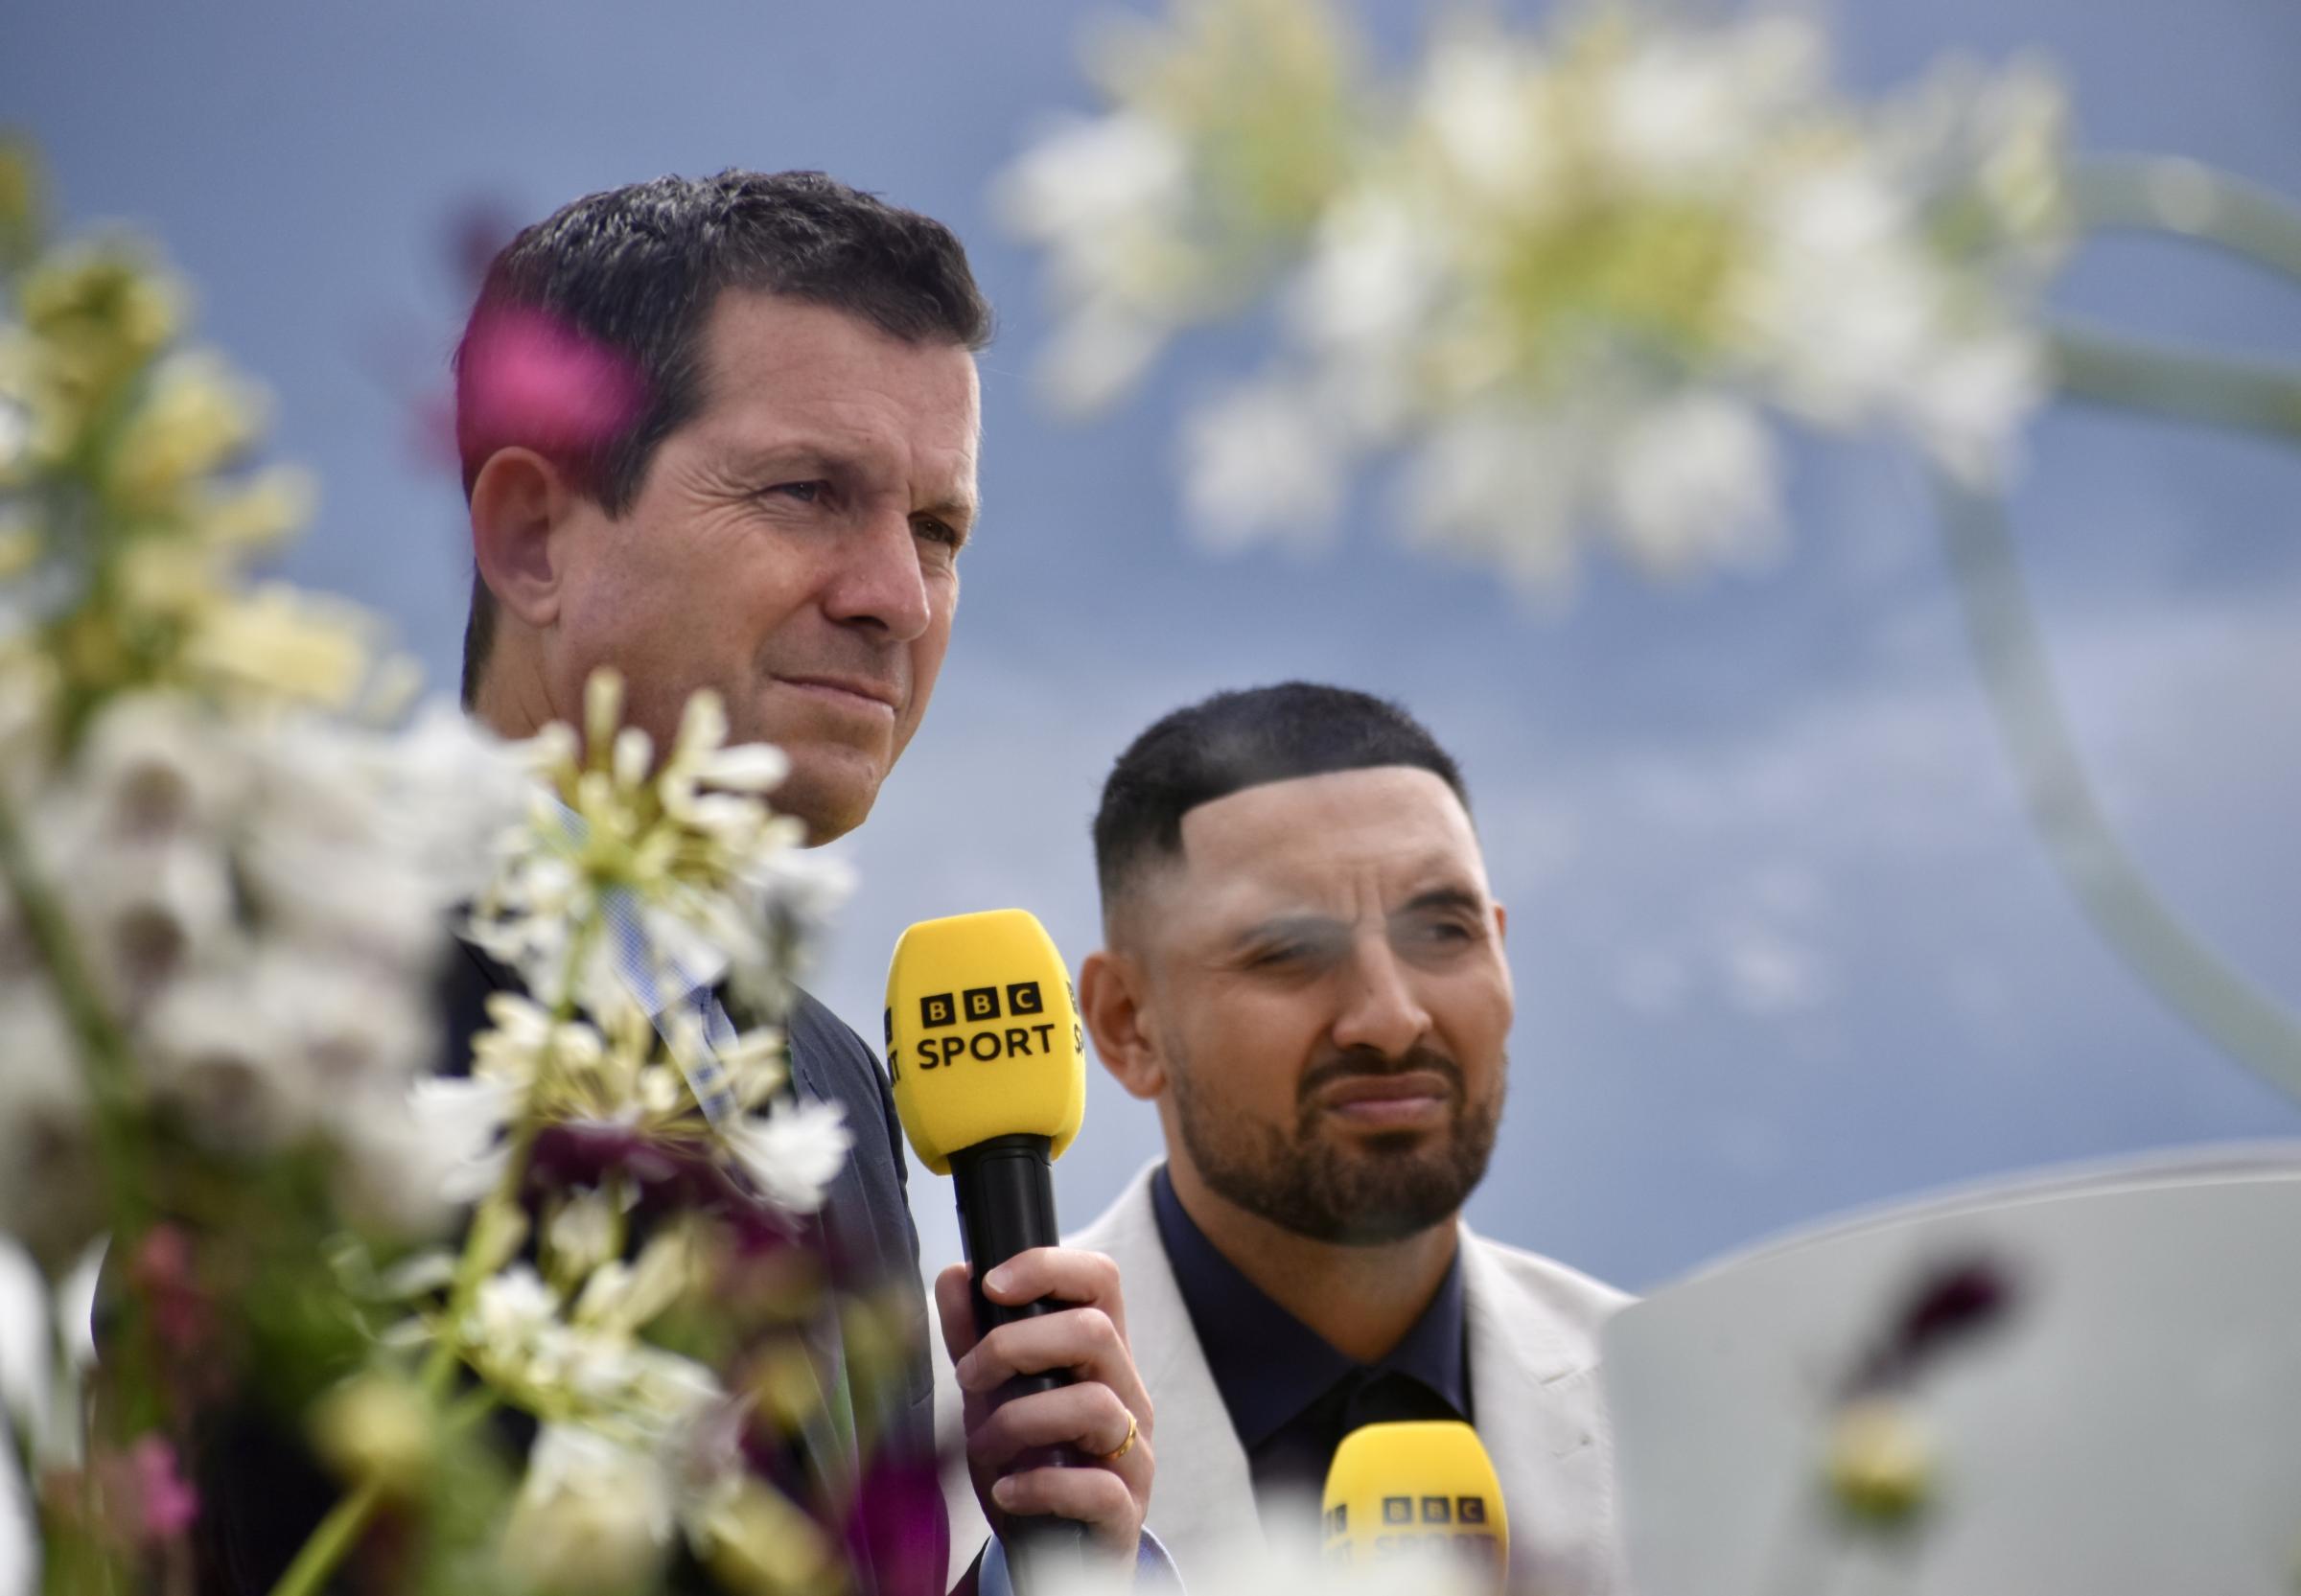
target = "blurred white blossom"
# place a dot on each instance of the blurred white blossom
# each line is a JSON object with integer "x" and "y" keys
{"x": 593, "y": 1517}
{"x": 261, "y": 902}
{"x": 792, "y": 1151}
{"x": 229, "y": 888}
{"x": 1566, "y": 275}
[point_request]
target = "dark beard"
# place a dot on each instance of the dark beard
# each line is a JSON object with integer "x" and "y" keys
{"x": 1378, "y": 1189}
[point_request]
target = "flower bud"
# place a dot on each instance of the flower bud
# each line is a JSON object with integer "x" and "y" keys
{"x": 378, "y": 1427}
{"x": 1881, "y": 1460}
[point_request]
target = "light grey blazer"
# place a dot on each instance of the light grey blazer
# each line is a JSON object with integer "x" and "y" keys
{"x": 1534, "y": 1386}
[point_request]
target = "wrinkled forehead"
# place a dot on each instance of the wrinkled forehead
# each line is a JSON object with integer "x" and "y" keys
{"x": 1322, "y": 840}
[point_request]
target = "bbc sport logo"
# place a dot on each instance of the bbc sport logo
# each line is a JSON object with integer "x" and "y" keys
{"x": 1436, "y": 1510}
{"x": 938, "y": 1011}
{"x": 985, "y": 1024}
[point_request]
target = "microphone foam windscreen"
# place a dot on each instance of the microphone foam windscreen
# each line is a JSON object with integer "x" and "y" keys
{"x": 1425, "y": 1488}
{"x": 983, "y": 1035}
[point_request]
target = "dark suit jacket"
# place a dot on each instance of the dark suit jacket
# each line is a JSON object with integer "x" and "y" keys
{"x": 263, "y": 1493}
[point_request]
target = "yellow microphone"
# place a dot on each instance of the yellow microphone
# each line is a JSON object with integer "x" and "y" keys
{"x": 1419, "y": 1490}
{"x": 989, "y": 1064}
{"x": 983, "y": 1036}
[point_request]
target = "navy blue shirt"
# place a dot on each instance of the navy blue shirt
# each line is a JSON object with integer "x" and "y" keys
{"x": 1291, "y": 1396}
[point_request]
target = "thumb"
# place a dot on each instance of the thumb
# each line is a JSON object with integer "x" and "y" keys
{"x": 954, "y": 1305}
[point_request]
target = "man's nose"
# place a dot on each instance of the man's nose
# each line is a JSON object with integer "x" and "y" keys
{"x": 1380, "y": 1008}
{"x": 879, "y": 582}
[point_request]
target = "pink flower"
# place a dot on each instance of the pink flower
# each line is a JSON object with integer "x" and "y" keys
{"x": 166, "y": 1501}
{"x": 147, "y": 1501}
{"x": 525, "y": 379}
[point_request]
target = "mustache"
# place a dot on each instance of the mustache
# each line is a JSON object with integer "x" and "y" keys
{"x": 1372, "y": 1062}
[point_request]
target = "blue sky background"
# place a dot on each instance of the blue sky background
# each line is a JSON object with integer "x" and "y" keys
{"x": 1783, "y": 942}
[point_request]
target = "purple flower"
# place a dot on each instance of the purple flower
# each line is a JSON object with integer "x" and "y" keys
{"x": 1951, "y": 1302}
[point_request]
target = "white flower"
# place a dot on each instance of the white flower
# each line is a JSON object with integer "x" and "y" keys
{"x": 1499, "y": 486}
{"x": 1564, "y": 276}
{"x": 1692, "y": 108}
{"x": 1097, "y": 355}
{"x": 363, "y": 840}
{"x": 1373, "y": 275}
{"x": 523, "y": 1037}
{"x": 150, "y": 906}
{"x": 793, "y": 1152}
{"x": 513, "y": 1313}
{"x": 1487, "y": 109}
{"x": 215, "y": 1052}
{"x": 582, "y": 1234}
{"x": 50, "y": 1197}
{"x": 690, "y": 851}
{"x": 26, "y": 1348}
{"x": 1691, "y": 482}
{"x": 47, "y": 1346}
{"x": 593, "y": 1518}
{"x": 462, "y": 1120}
{"x": 355, "y": 1032}
{"x": 19, "y": 1531}
{"x": 1969, "y": 402}
{"x": 155, "y": 764}
{"x": 1262, "y": 459}
{"x": 1098, "y": 191}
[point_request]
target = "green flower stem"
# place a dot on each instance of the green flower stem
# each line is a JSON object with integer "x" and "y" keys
{"x": 104, "y": 1047}
{"x": 2138, "y": 925}
{"x": 2169, "y": 194}
{"x": 340, "y": 1530}
{"x": 328, "y": 1543}
{"x": 2179, "y": 385}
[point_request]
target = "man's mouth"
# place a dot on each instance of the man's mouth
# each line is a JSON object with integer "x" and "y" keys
{"x": 855, "y": 694}
{"x": 1411, "y": 1100}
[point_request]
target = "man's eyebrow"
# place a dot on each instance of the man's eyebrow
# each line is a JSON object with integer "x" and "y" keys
{"x": 1279, "y": 927}
{"x": 794, "y": 453}
{"x": 1448, "y": 897}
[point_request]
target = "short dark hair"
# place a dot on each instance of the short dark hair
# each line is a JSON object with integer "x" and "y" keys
{"x": 636, "y": 271}
{"x": 1236, "y": 740}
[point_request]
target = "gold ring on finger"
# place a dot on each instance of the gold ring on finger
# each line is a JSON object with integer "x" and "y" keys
{"x": 1125, "y": 1446}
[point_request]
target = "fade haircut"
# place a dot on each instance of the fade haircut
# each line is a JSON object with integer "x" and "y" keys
{"x": 638, "y": 270}
{"x": 1237, "y": 740}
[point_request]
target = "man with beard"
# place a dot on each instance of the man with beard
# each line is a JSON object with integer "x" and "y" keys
{"x": 1304, "y": 971}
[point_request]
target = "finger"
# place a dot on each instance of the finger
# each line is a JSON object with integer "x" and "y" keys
{"x": 1096, "y": 1497}
{"x": 1066, "y": 1274}
{"x": 1088, "y": 1418}
{"x": 1081, "y": 1340}
{"x": 954, "y": 1307}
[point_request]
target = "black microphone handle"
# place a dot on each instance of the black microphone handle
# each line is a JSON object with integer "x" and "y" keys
{"x": 1005, "y": 1189}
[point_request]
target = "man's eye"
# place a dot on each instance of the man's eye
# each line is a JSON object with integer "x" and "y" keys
{"x": 937, "y": 531}
{"x": 1443, "y": 933}
{"x": 1291, "y": 958}
{"x": 807, "y": 492}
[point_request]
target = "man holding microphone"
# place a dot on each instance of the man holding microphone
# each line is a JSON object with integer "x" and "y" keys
{"x": 1303, "y": 970}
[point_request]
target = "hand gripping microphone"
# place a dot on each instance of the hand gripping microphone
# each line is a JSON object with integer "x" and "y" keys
{"x": 1419, "y": 1490}
{"x": 989, "y": 1064}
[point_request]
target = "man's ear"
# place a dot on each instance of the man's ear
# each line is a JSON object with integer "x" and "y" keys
{"x": 519, "y": 500}
{"x": 1111, "y": 1001}
{"x": 1501, "y": 922}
